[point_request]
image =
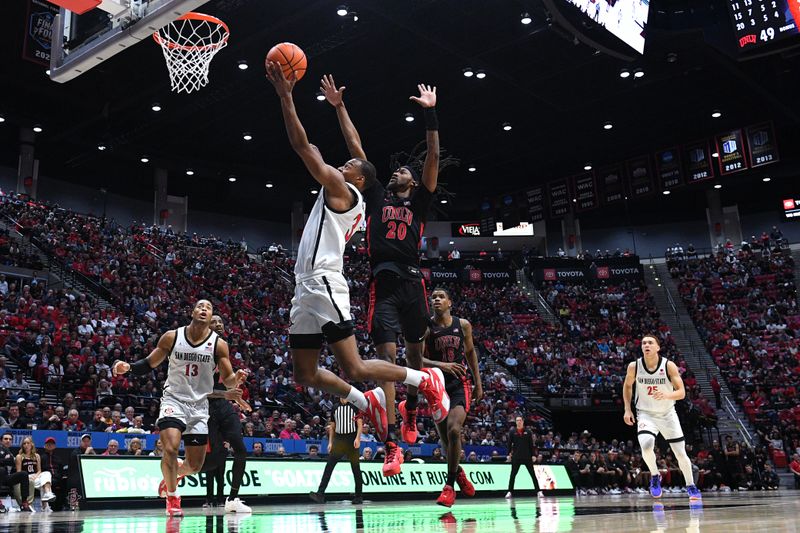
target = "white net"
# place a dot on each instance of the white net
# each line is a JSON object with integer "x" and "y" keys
{"x": 189, "y": 44}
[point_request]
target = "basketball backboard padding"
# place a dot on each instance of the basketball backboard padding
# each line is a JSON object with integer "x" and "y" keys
{"x": 77, "y": 6}
{"x": 127, "y": 29}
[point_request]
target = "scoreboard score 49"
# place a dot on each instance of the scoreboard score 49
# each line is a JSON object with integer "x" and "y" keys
{"x": 760, "y": 22}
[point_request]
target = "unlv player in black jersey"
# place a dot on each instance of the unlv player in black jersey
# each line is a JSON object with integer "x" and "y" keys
{"x": 449, "y": 347}
{"x": 396, "y": 219}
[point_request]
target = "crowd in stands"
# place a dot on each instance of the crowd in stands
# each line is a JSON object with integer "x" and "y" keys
{"x": 744, "y": 303}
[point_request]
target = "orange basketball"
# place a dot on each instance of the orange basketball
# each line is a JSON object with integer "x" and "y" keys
{"x": 290, "y": 57}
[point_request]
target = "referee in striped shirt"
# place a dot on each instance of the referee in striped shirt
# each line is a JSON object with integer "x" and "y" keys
{"x": 344, "y": 440}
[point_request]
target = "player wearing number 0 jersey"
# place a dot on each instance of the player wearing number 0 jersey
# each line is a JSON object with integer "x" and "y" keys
{"x": 321, "y": 304}
{"x": 658, "y": 384}
{"x": 396, "y": 219}
{"x": 193, "y": 352}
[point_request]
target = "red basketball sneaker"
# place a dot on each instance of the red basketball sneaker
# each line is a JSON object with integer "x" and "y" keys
{"x": 433, "y": 389}
{"x": 376, "y": 412}
{"x": 174, "y": 506}
{"x": 448, "y": 497}
{"x": 466, "y": 486}
{"x": 162, "y": 487}
{"x": 408, "y": 427}
{"x": 393, "y": 460}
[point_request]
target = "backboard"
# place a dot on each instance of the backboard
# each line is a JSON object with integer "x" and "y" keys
{"x": 81, "y": 42}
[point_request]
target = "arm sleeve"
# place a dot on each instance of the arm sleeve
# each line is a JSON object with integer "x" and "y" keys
{"x": 421, "y": 203}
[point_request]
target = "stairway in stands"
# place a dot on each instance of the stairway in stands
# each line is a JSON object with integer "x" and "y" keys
{"x": 731, "y": 419}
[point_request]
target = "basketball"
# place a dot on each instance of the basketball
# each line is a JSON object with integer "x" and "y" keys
{"x": 290, "y": 57}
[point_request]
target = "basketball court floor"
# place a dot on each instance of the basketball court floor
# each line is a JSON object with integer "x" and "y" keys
{"x": 773, "y": 512}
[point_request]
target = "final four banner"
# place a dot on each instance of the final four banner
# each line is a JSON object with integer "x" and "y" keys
{"x": 39, "y": 31}
{"x": 731, "y": 150}
{"x": 698, "y": 161}
{"x": 762, "y": 144}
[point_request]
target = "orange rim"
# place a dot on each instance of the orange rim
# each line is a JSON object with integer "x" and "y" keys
{"x": 194, "y": 16}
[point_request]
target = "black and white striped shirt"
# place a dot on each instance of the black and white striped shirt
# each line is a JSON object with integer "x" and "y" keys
{"x": 344, "y": 416}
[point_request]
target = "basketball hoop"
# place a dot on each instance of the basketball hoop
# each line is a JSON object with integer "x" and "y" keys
{"x": 189, "y": 44}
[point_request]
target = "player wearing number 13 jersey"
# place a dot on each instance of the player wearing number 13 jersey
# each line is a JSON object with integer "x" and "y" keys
{"x": 658, "y": 384}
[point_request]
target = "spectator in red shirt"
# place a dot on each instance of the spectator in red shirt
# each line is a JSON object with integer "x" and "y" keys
{"x": 289, "y": 431}
{"x": 794, "y": 467}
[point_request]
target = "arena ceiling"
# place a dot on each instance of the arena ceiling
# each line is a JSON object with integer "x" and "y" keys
{"x": 554, "y": 89}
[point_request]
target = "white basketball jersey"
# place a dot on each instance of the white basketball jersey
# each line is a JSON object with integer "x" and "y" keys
{"x": 647, "y": 383}
{"x": 325, "y": 236}
{"x": 190, "y": 377}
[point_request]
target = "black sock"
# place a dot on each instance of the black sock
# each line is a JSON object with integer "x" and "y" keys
{"x": 451, "y": 478}
{"x": 234, "y": 493}
{"x": 411, "y": 402}
{"x": 391, "y": 430}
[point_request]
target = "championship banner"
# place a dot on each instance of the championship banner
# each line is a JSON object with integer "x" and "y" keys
{"x": 698, "y": 161}
{"x": 612, "y": 185}
{"x": 762, "y": 143}
{"x": 535, "y": 204}
{"x": 585, "y": 191}
{"x": 640, "y": 176}
{"x": 730, "y": 147}
{"x": 117, "y": 478}
{"x": 559, "y": 198}
{"x": 39, "y": 31}
{"x": 669, "y": 170}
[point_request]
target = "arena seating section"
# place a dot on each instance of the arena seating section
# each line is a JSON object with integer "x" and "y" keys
{"x": 150, "y": 277}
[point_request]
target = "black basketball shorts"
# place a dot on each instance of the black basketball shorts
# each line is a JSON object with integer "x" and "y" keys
{"x": 397, "y": 305}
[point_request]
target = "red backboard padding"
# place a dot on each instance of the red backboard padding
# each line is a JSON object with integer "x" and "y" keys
{"x": 78, "y": 7}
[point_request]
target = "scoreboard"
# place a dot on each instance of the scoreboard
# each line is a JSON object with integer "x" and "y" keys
{"x": 760, "y": 22}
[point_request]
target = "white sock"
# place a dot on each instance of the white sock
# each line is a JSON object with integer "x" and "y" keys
{"x": 357, "y": 398}
{"x": 172, "y": 493}
{"x": 413, "y": 377}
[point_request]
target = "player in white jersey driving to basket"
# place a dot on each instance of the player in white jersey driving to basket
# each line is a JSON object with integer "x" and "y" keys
{"x": 193, "y": 351}
{"x": 656, "y": 392}
{"x": 321, "y": 304}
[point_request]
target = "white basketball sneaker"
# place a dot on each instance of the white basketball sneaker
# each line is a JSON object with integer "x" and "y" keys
{"x": 236, "y": 506}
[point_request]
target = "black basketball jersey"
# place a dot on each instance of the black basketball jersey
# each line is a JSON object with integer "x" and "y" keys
{"x": 446, "y": 344}
{"x": 394, "y": 229}
{"x": 28, "y": 465}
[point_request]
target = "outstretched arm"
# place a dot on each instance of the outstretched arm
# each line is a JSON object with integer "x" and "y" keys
{"x": 156, "y": 357}
{"x": 430, "y": 168}
{"x": 335, "y": 98}
{"x": 338, "y": 195}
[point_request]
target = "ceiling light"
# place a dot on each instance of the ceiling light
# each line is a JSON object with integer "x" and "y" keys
{"x": 320, "y": 96}
{"x": 341, "y": 11}
{"x": 717, "y": 186}
{"x": 468, "y": 72}
{"x": 716, "y": 113}
{"x": 2, "y": 118}
{"x": 47, "y": 72}
{"x": 575, "y": 200}
{"x": 314, "y": 191}
{"x": 638, "y": 73}
{"x": 101, "y": 147}
{"x": 715, "y": 154}
{"x": 525, "y": 19}
{"x": 443, "y": 201}
{"x": 665, "y": 193}
{"x": 766, "y": 179}
{"x": 144, "y": 159}
{"x": 624, "y": 73}
{"x": 232, "y": 178}
{"x": 608, "y": 126}
{"x": 269, "y": 185}
{"x": 472, "y": 168}
{"x": 506, "y": 126}
{"x": 355, "y": 18}
{"x": 409, "y": 117}
{"x": 247, "y": 136}
{"x": 189, "y": 172}
{"x": 156, "y": 107}
{"x": 672, "y": 57}
{"x": 242, "y": 65}
{"x": 587, "y": 166}
{"x": 494, "y": 242}
{"x": 37, "y": 128}
{"x": 480, "y": 74}
{"x": 451, "y": 242}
